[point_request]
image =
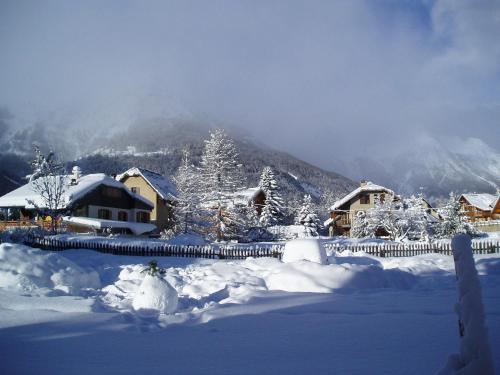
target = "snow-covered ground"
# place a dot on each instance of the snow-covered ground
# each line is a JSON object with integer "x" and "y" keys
{"x": 72, "y": 312}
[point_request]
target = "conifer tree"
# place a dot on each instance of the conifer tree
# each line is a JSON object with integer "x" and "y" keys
{"x": 221, "y": 175}
{"x": 272, "y": 211}
{"x": 186, "y": 208}
{"x": 308, "y": 218}
{"x": 454, "y": 221}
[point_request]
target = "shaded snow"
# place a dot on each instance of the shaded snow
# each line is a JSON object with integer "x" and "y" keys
{"x": 246, "y": 317}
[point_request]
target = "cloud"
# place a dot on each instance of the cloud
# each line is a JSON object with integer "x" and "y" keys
{"x": 319, "y": 79}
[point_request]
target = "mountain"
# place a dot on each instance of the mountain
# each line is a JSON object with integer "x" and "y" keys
{"x": 156, "y": 144}
{"x": 434, "y": 166}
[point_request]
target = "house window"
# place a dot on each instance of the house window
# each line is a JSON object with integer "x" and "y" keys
{"x": 364, "y": 199}
{"x": 103, "y": 213}
{"x": 136, "y": 190}
{"x": 142, "y": 217}
{"x": 122, "y": 215}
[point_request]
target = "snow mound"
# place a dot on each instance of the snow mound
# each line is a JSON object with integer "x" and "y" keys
{"x": 304, "y": 249}
{"x": 34, "y": 271}
{"x": 155, "y": 295}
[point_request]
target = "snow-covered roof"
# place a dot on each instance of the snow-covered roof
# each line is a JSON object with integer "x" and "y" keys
{"x": 86, "y": 184}
{"x": 246, "y": 195}
{"x": 483, "y": 201}
{"x": 164, "y": 187}
{"x": 135, "y": 228}
{"x": 365, "y": 187}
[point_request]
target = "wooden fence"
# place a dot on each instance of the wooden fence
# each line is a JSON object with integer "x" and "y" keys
{"x": 412, "y": 249}
{"x": 157, "y": 248}
{"x": 242, "y": 251}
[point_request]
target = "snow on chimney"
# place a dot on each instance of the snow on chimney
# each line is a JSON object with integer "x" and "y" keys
{"x": 363, "y": 183}
{"x": 76, "y": 173}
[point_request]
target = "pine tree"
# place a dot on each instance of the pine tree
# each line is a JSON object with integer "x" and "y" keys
{"x": 50, "y": 182}
{"x": 221, "y": 176}
{"x": 272, "y": 211}
{"x": 454, "y": 221}
{"x": 308, "y": 218}
{"x": 187, "y": 204}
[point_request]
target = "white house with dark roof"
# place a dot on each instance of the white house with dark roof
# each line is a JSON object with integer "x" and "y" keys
{"x": 93, "y": 201}
{"x": 154, "y": 187}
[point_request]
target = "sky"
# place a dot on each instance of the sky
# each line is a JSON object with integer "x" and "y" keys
{"x": 316, "y": 78}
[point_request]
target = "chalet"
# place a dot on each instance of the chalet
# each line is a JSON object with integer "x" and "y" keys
{"x": 483, "y": 210}
{"x": 254, "y": 196}
{"x": 95, "y": 201}
{"x": 155, "y": 188}
{"x": 344, "y": 210}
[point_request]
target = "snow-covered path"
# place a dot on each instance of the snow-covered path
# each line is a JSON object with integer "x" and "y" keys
{"x": 381, "y": 316}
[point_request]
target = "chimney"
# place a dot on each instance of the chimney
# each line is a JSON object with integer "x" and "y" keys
{"x": 363, "y": 183}
{"x": 76, "y": 173}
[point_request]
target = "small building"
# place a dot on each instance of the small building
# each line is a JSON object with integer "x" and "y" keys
{"x": 95, "y": 201}
{"x": 482, "y": 210}
{"x": 361, "y": 199}
{"x": 254, "y": 196}
{"x": 155, "y": 188}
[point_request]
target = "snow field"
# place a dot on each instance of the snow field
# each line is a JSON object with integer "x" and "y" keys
{"x": 302, "y": 312}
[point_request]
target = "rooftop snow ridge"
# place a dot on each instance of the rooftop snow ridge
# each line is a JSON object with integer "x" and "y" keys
{"x": 365, "y": 186}
{"x": 483, "y": 201}
{"x": 164, "y": 187}
{"x": 86, "y": 183}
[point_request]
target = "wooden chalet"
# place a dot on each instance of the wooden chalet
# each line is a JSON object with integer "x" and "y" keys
{"x": 482, "y": 210}
{"x": 344, "y": 210}
{"x": 90, "y": 202}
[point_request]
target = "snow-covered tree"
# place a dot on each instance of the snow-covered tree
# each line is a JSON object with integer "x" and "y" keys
{"x": 454, "y": 221}
{"x": 188, "y": 188}
{"x": 50, "y": 182}
{"x": 417, "y": 218}
{"x": 389, "y": 215}
{"x": 221, "y": 175}
{"x": 272, "y": 211}
{"x": 308, "y": 218}
{"x": 361, "y": 226}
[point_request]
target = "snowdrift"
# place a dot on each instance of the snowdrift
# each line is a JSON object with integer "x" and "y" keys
{"x": 304, "y": 249}
{"x": 28, "y": 270}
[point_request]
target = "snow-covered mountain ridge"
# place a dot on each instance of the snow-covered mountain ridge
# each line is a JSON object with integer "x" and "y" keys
{"x": 432, "y": 165}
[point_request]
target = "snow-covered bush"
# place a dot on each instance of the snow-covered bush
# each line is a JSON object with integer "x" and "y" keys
{"x": 155, "y": 294}
{"x": 304, "y": 249}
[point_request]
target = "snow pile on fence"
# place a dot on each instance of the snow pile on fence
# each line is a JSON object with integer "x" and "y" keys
{"x": 475, "y": 353}
{"x": 35, "y": 271}
{"x": 304, "y": 249}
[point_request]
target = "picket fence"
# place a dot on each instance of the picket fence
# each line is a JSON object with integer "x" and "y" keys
{"x": 157, "y": 248}
{"x": 412, "y": 249}
{"x": 243, "y": 251}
